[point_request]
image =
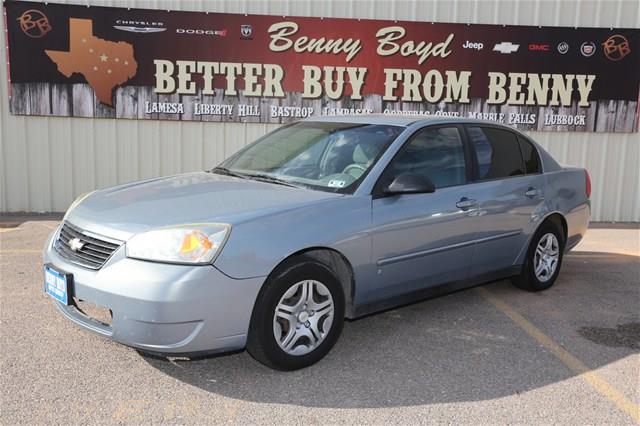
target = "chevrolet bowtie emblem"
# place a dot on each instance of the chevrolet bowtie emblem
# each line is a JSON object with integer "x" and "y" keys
{"x": 75, "y": 244}
{"x": 506, "y": 47}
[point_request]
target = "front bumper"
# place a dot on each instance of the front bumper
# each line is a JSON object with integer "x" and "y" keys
{"x": 162, "y": 308}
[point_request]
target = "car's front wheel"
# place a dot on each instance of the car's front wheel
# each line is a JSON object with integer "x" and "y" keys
{"x": 298, "y": 316}
{"x": 544, "y": 259}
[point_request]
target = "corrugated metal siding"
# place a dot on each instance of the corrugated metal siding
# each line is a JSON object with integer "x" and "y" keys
{"x": 47, "y": 162}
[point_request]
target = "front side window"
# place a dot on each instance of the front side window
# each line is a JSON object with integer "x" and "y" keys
{"x": 436, "y": 154}
{"x": 319, "y": 155}
{"x": 497, "y": 153}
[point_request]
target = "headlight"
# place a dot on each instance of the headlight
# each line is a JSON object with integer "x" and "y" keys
{"x": 194, "y": 244}
{"x": 76, "y": 202}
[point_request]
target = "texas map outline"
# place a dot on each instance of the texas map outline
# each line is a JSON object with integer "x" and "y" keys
{"x": 104, "y": 64}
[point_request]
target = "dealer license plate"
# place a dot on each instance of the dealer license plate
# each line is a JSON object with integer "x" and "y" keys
{"x": 56, "y": 284}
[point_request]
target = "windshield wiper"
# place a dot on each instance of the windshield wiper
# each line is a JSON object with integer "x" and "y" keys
{"x": 227, "y": 172}
{"x": 255, "y": 176}
{"x": 271, "y": 179}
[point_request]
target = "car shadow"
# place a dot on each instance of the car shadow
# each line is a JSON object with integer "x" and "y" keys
{"x": 453, "y": 348}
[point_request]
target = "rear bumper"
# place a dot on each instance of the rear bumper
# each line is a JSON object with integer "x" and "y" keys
{"x": 161, "y": 308}
{"x": 577, "y": 224}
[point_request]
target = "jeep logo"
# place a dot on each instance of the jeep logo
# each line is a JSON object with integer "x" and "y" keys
{"x": 470, "y": 45}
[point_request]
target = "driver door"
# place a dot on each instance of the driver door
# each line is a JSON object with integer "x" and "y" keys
{"x": 422, "y": 240}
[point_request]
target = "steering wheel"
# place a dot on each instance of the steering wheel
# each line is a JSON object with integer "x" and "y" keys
{"x": 355, "y": 166}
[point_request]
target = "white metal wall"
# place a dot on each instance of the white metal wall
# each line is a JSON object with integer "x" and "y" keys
{"x": 46, "y": 162}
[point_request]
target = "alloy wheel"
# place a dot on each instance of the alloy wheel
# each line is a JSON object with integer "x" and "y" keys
{"x": 546, "y": 257}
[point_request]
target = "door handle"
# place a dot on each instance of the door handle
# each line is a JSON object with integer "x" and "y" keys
{"x": 531, "y": 192}
{"x": 465, "y": 203}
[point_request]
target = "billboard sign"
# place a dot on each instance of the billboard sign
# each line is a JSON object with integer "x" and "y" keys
{"x": 72, "y": 60}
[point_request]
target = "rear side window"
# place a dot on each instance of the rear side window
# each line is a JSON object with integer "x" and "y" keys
{"x": 497, "y": 153}
{"x": 530, "y": 156}
{"x": 437, "y": 154}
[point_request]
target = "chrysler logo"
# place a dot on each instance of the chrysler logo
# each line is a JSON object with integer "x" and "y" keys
{"x": 75, "y": 244}
{"x": 142, "y": 30}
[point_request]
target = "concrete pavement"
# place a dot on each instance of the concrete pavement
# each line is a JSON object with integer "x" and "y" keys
{"x": 488, "y": 355}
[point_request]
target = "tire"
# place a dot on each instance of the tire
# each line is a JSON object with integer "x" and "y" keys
{"x": 315, "y": 332}
{"x": 530, "y": 280}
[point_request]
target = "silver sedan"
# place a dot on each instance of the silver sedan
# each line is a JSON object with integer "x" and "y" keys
{"x": 318, "y": 221}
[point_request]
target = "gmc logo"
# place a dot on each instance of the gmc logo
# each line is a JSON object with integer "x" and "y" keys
{"x": 539, "y": 47}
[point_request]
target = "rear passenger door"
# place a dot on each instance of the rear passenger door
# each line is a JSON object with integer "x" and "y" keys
{"x": 509, "y": 188}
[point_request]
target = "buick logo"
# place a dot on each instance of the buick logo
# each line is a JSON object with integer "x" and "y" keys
{"x": 563, "y": 47}
{"x": 34, "y": 23}
{"x": 75, "y": 244}
{"x": 616, "y": 47}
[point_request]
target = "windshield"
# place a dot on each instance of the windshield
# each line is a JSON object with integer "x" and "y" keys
{"x": 327, "y": 156}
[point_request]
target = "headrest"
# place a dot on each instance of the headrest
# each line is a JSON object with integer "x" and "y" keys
{"x": 360, "y": 155}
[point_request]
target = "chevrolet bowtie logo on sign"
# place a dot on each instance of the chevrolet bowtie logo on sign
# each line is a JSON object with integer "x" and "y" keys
{"x": 75, "y": 244}
{"x": 506, "y": 47}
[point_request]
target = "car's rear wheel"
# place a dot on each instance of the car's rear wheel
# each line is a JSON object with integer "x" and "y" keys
{"x": 544, "y": 258}
{"x": 298, "y": 316}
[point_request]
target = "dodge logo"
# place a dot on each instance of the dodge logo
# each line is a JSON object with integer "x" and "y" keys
{"x": 75, "y": 244}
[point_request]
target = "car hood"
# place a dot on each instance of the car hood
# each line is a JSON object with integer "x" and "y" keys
{"x": 124, "y": 210}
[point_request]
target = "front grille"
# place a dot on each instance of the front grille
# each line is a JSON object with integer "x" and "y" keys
{"x": 93, "y": 250}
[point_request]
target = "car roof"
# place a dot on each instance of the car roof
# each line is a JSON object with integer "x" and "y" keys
{"x": 403, "y": 120}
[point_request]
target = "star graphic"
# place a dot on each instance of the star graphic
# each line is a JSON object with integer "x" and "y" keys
{"x": 117, "y": 59}
{"x": 95, "y": 68}
{"x": 84, "y": 40}
{"x": 126, "y": 62}
{"x": 90, "y": 50}
{"x": 104, "y": 58}
{"x": 108, "y": 71}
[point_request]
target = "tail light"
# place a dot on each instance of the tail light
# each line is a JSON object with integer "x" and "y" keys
{"x": 587, "y": 183}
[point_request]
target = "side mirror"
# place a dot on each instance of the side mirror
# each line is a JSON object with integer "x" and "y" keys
{"x": 410, "y": 184}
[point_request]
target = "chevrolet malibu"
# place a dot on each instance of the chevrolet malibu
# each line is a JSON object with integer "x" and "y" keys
{"x": 317, "y": 222}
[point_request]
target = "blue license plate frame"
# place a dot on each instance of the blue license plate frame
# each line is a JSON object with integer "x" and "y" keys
{"x": 58, "y": 284}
